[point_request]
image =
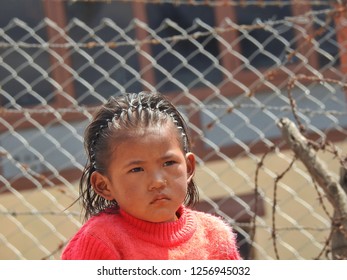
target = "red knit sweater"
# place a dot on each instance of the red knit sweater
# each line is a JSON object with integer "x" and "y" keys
{"x": 195, "y": 235}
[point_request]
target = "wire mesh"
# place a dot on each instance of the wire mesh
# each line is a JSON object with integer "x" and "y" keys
{"x": 233, "y": 68}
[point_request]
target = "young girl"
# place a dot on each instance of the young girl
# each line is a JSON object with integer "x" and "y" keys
{"x": 137, "y": 185}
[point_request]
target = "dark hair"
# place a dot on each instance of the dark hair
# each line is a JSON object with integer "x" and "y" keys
{"x": 116, "y": 120}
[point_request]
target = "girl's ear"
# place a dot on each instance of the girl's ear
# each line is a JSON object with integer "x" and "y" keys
{"x": 190, "y": 160}
{"x": 100, "y": 185}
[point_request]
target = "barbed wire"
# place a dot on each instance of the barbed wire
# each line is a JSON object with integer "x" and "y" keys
{"x": 78, "y": 214}
{"x": 4, "y": 112}
{"x": 34, "y": 213}
{"x": 176, "y": 38}
{"x": 213, "y": 3}
{"x": 315, "y": 79}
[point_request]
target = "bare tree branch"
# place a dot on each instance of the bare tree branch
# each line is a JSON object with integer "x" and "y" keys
{"x": 328, "y": 181}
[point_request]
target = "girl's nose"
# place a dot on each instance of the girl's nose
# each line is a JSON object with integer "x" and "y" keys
{"x": 158, "y": 182}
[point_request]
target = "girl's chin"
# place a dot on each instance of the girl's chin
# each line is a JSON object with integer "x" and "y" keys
{"x": 163, "y": 219}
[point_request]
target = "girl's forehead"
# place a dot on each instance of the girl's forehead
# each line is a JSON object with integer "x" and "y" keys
{"x": 163, "y": 132}
{"x": 165, "y": 128}
{"x": 151, "y": 140}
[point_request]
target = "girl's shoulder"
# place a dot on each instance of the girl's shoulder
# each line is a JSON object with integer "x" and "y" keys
{"x": 215, "y": 230}
{"x": 104, "y": 218}
{"x": 99, "y": 224}
{"x": 211, "y": 221}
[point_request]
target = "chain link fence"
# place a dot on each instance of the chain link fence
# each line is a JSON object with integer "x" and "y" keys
{"x": 233, "y": 68}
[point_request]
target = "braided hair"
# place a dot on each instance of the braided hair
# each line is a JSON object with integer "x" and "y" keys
{"x": 114, "y": 122}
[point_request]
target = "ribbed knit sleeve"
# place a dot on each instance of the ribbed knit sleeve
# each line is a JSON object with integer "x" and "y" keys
{"x": 88, "y": 247}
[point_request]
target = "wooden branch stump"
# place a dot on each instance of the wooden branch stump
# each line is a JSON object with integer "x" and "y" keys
{"x": 334, "y": 189}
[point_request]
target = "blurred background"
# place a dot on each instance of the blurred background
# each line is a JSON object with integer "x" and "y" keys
{"x": 233, "y": 68}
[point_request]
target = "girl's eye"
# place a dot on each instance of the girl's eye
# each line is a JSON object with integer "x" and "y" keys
{"x": 136, "y": 169}
{"x": 169, "y": 163}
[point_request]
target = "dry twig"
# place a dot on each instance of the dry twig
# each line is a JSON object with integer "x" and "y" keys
{"x": 334, "y": 189}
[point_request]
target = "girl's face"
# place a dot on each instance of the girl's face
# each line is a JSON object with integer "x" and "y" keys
{"x": 148, "y": 174}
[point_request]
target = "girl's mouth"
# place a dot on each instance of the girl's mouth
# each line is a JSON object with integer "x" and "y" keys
{"x": 160, "y": 197}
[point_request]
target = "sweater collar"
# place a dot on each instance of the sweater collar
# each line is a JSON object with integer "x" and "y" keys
{"x": 164, "y": 234}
